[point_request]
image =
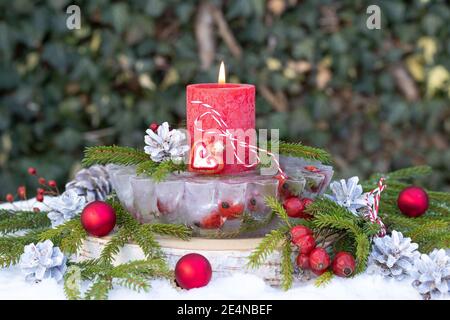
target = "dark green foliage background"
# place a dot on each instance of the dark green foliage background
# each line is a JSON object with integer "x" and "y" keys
{"x": 62, "y": 90}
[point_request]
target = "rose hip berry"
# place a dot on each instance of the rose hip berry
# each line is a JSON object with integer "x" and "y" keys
{"x": 306, "y": 202}
{"x": 32, "y": 171}
{"x": 303, "y": 261}
{"x": 319, "y": 259}
{"x": 153, "y": 126}
{"x": 343, "y": 264}
{"x": 22, "y": 192}
{"x": 212, "y": 221}
{"x": 42, "y": 181}
{"x": 305, "y": 244}
{"x": 293, "y": 206}
{"x": 52, "y": 183}
{"x": 299, "y": 231}
{"x": 9, "y": 197}
{"x": 230, "y": 211}
{"x": 40, "y": 197}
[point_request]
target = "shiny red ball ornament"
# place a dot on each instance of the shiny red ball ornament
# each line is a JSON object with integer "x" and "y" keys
{"x": 343, "y": 264}
{"x": 98, "y": 218}
{"x": 413, "y": 201}
{"x": 193, "y": 271}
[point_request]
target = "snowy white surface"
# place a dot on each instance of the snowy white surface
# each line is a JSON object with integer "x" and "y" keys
{"x": 238, "y": 286}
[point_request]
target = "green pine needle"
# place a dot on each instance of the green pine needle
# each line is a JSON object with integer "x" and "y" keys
{"x": 22, "y": 220}
{"x": 278, "y": 209}
{"x": 113, "y": 154}
{"x": 287, "y": 268}
{"x": 268, "y": 245}
{"x": 301, "y": 151}
{"x": 324, "y": 279}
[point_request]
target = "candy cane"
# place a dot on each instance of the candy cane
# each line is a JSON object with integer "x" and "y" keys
{"x": 224, "y": 132}
{"x": 375, "y": 206}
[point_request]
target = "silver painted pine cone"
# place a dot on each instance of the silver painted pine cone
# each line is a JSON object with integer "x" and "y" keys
{"x": 92, "y": 183}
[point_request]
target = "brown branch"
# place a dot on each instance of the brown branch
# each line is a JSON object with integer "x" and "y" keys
{"x": 226, "y": 33}
{"x": 277, "y": 100}
{"x": 204, "y": 33}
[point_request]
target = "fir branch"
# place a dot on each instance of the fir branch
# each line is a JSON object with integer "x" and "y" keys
{"x": 301, "y": 151}
{"x": 72, "y": 283}
{"x": 403, "y": 174}
{"x": 146, "y": 241}
{"x": 278, "y": 209}
{"x": 11, "y": 247}
{"x": 439, "y": 196}
{"x": 324, "y": 279}
{"x": 268, "y": 245}
{"x": 113, "y": 154}
{"x": 147, "y": 167}
{"x": 99, "y": 289}
{"x": 165, "y": 168}
{"x": 287, "y": 269}
{"x": 362, "y": 252}
{"x": 68, "y": 236}
{"x": 112, "y": 248}
{"x": 174, "y": 230}
{"x": 19, "y": 220}
{"x": 150, "y": 268}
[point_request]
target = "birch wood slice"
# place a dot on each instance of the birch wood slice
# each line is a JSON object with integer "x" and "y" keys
{"x": 225, "y": 255}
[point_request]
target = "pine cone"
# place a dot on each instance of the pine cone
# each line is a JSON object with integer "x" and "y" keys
{"x": 93, "y": 183}
{"x": 393, "y": 256}
{"x": 432, "y": 274}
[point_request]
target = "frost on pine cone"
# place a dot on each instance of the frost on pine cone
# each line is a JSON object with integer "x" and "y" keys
{"x": 393, "y": 256}
{"x": 166, "y": 144}
{"x": 65, "y": 207}
{"x": 348, "y": 194}
{"x": 92, "y": 183}
{"x": 431, "y": 274}
{"x": 42, "y": 261}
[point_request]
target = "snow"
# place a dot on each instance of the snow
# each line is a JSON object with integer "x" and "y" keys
{"x": 237, "y": 286}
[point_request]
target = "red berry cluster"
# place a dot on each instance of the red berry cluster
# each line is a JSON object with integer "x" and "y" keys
{"x": 297, "y": 208}
{"x": 317, "y": 259}
{"x": 46, "y": 188}
{"x": 227, "y": 210}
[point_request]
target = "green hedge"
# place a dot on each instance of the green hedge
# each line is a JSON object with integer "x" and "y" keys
{"x": 377, "y": 99}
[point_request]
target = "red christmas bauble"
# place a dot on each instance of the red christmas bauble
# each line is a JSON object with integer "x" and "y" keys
{"x": 413, "y": 201}
{"x": 98, "y": 218}
{"x": 193, "y": 271}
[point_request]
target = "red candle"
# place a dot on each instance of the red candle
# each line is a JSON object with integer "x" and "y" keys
{"x": 220, "y": 106}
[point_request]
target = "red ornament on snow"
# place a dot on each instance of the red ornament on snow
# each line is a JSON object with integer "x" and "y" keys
{"x": 193, "y": 271}
{"x": 413, "y": 201}
{"x": 343, "y": 264}
{"x": 98, "y": 218}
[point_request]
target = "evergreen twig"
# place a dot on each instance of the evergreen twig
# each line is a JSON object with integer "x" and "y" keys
{"x": 113, "y": 154}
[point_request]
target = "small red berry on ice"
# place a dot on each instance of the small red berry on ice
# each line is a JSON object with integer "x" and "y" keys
{"x": 252, "y": 204}
{"x": 312, "y": 168}
{"x": 9, "y": 197}
{"x": 230, "y": 210}
{"x": 40, "y": 191}
{"x": 319, "y": 259}
{"x": 41, "y": 180}
{"x": 293, "y": 206}
{"x": 303, "y": 261}
{"x": 52, "y": 183}
{"x": 32, "y": 171}
{"x": 305, "y": 244}
{"x": 22, "y": 192}
{"x": 40, "y": 197}
{"x": 153, "y": 126}
{"x": 299, "y": 231}
{"x": 212, "y": 221}
{"x": 306, "y": 202}
{"x": 343, "y": 264}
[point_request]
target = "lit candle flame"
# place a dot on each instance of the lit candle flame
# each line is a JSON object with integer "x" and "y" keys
{"x": 221, "y": 73}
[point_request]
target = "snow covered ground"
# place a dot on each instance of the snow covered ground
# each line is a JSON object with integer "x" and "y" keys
{"x": 238, "y": 286}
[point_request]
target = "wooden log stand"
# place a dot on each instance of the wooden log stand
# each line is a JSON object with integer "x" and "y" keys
{"x": 225, "y": 255}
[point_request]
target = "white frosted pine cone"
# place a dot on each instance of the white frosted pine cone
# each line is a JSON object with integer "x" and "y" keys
{"x": 93, "y": 183}
{"x": 348, "y": 194}
{"x": 393, "y": 256}
{"x": 64, "y": 207}
{"x": 166, "y": 144}
{"x": 431, "y": 274}
{"x": 42, "y": 261}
